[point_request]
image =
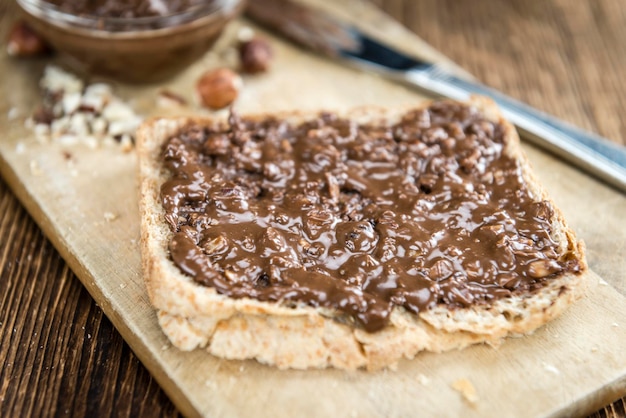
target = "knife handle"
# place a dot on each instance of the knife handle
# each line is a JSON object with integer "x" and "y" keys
{"x": 596, "y": 155}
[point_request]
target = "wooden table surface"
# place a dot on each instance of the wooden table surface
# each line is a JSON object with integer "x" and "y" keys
{"x": 61, "y": 356}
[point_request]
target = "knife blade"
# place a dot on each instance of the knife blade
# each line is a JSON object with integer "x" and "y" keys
{"x": 324, "y": 33}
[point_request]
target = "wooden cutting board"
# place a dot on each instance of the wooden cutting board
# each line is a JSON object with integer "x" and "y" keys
{"x": 569, "y": 367}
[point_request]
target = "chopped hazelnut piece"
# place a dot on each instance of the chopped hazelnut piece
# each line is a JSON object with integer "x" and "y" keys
{"x": 256, "y": 55}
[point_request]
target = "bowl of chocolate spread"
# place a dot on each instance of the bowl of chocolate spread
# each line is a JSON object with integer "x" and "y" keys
{"x": 132, "y": 40}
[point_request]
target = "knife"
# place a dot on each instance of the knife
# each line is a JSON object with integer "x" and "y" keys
{"x": 321, "y": 32}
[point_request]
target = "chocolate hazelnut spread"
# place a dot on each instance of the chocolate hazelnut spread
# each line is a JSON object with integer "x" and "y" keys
{"x": 358, "y": 218}
{"x": 125, "y": 8}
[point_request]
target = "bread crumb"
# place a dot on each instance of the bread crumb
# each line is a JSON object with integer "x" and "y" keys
{"x": 614, "y": 325}
{"x": 123, "y": 285}
{"x": 109, "y": 216}
{"x": 466, "y": 389}
{"x": 20, "y": 148}
{"x": 424, "y": 381}
{"x": 550, "y": 368}
{"x": 165, "y": 347}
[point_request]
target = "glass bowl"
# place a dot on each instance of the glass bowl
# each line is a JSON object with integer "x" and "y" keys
{"x": 134, "y": 49}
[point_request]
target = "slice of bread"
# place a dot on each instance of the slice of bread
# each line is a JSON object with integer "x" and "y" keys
{"x": 196, "y": 316}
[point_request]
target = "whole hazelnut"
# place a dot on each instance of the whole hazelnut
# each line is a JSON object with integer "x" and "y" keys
{"x": 218, "y": 88}
{"x": 24, "y": 42}
{"x": 255, "y": 55}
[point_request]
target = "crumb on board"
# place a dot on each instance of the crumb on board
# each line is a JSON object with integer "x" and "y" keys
{"x": 35, "y": 170}
{"x": 13, "y": 113}
{"x": 466, "y": 389}
{"x": 245, "y": 34}
{"x": 110, "y": 216}
{"x": 550, "y": 368}
{"x": 423, "y": 379}
{"x": 167, "y": 98}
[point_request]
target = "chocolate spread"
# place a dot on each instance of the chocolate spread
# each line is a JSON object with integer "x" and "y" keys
{"x": 124, "y": 8}
{"x": 358, "y": 218}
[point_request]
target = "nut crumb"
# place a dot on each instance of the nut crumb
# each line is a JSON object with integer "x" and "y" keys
{"x": 23, "y": 41}
{"x": 594, "y": 349}
{"x": 20, "y": 148}
{"x": 255, "y": 55}
{"x": 72, "y": 113}
{"x": 109, "y": 217}
{"x": 35, "y": 170}
{"x": 13, "y": 113}
{"x": 165, "y": 347}
{"x": 123, "y": 285}
{"x": 126, "y": 143}
{"x": 424, "y": 380}
{"x": 168, "y": 98}
{"x": 550, "y": 368}
{"x": 245, "y": 34}
{"x": 466, "y": 389}
{"x": 614, "y": 325}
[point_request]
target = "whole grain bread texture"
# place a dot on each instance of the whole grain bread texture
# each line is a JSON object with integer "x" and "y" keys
{"x": 195, "y": 316}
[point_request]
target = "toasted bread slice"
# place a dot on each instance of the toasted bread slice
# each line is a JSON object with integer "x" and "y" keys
{"x": 196, "y": 316}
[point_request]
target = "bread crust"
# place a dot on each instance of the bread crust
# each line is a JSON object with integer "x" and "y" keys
{"x": 195, "y": 316}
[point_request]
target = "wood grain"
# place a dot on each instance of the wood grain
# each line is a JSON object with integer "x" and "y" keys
{"x": 61, "y": 355}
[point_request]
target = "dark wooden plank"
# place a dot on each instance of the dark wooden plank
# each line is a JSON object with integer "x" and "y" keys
{"x": 60, "y": 355}
{"x": 560, "y": 56}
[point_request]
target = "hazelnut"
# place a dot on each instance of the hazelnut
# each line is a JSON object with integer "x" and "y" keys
{"x": 256, "y": 55}
{"x": 219, "y": 88}
{"x": 24, "y": 42}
